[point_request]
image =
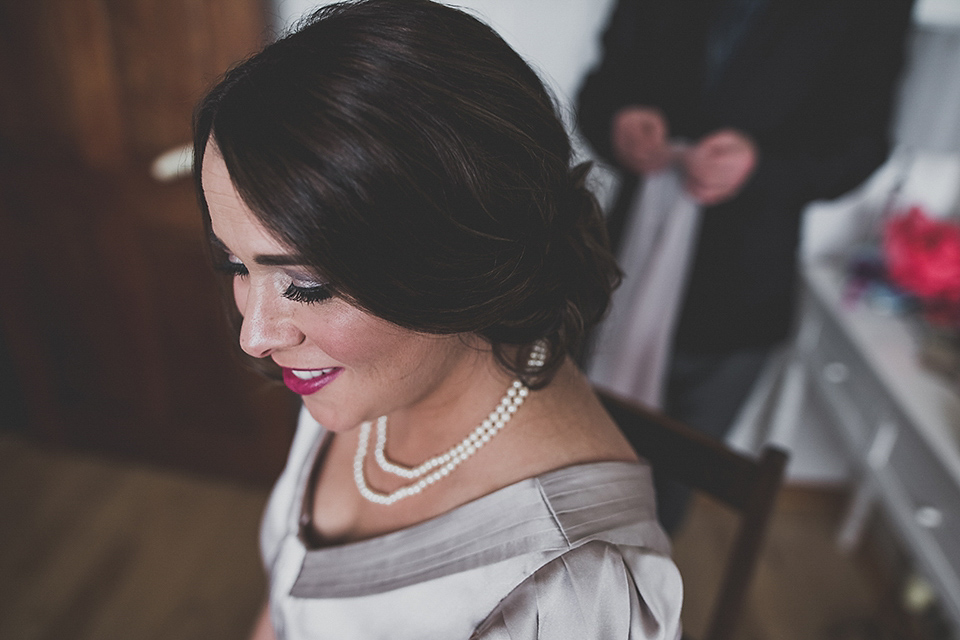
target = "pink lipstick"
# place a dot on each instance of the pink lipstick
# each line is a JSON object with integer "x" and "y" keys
{"x": 307, "y": 381}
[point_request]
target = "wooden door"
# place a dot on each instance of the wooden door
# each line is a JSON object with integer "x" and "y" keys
{"x": 111, "y": 315}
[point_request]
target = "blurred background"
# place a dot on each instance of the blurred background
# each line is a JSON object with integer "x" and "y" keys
{"x": 136, "y": 451}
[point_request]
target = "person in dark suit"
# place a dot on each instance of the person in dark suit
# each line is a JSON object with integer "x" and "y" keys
{"x": 767, "y": 105}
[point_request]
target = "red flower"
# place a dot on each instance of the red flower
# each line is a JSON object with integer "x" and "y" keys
{"x": 923, "y": 256}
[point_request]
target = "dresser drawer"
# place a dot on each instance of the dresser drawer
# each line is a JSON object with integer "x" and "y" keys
{"x": 849, "y": 388}
{"x": 932, "y": 497}
{"x": 916, "y": 483}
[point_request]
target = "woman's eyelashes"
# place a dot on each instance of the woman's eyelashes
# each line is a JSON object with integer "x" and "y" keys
{"x": 232, "y": 267}
{"x": 301, "y": 288}
{"x": 307, "y": 295}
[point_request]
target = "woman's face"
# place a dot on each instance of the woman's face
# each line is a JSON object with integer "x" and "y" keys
{"x": 348, "y": 365}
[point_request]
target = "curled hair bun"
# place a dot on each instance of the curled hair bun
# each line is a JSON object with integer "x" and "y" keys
{"x": 580, "y": 264}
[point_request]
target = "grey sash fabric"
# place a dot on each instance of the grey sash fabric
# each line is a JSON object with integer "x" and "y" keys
{"x": 633, "y": 344}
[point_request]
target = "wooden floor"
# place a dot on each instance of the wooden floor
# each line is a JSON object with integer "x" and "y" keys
{"x": 804, "y": 588}
{"x": 101, "y": 550}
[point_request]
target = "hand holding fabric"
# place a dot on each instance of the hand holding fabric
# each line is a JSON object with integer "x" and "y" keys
{"x": 719, "y": 165}
{"x": 639, "y": 136}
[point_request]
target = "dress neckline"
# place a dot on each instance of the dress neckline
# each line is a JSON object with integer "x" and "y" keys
{"x": 548, "y": 514}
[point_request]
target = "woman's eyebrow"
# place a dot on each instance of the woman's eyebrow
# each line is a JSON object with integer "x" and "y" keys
{"x": 273, "y": 260}
{"x": 267, "y": 260}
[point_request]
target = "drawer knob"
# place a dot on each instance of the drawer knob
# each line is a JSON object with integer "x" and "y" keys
{"x": 836, "y": 372}
{"x": 928, "y": 517}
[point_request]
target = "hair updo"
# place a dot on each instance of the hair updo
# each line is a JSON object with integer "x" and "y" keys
{"x": 406, "y": 154}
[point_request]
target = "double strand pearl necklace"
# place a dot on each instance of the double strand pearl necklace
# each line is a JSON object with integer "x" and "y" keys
{"x": 441, "y": 465}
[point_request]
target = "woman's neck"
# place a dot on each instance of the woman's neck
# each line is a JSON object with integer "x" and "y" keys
{"x": 451, "y": 411}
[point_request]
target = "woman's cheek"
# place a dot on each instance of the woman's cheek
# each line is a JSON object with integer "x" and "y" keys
{"x": 353, "y": 336}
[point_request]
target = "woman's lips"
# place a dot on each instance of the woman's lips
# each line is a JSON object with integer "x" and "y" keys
{"x": 307, "y": 381}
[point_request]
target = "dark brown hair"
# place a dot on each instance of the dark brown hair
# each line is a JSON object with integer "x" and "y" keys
{"x": 415, "y": 162}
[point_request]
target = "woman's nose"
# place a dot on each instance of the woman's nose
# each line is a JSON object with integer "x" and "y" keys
{"x": 266, "y": 327}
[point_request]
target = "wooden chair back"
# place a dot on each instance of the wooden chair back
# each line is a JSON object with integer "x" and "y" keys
{"x": 747, "y": 486}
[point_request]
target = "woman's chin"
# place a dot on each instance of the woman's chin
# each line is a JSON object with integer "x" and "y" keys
{"x": 331, "y": 419}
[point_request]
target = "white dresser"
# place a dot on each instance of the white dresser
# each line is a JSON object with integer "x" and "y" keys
{"x": 899, "y": 422}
